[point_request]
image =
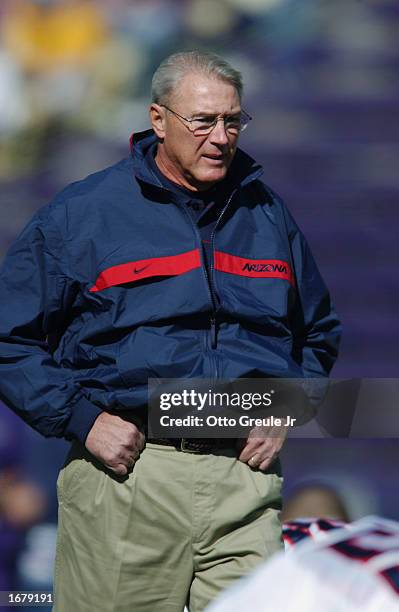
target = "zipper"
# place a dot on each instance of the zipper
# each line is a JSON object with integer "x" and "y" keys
{"x": 203, "y": 266}
{"x": 211, "y": 294}
{"x": 214, "y": 327}
{"x": 213, "y": 236}
{"x": 213, "y": 333}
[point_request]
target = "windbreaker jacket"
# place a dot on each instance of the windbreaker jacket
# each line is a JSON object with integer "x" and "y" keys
{"x": 106, "y": 287}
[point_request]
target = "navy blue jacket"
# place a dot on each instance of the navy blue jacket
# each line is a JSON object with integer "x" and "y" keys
{"x": 107, "y": 287}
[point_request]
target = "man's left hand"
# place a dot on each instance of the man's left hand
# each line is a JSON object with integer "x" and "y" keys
{"x": 262, "y": 446}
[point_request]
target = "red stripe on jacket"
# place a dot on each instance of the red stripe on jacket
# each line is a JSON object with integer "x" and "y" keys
{"x": 171, "y": 265}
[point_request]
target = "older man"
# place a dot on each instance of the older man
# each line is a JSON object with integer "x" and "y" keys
{"x": 176, "y": 262}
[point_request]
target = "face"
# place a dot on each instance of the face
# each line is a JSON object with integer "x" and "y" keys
{"x": 196, "y": 162}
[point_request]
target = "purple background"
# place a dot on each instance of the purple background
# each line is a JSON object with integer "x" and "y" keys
{"x": 321, "y": 83}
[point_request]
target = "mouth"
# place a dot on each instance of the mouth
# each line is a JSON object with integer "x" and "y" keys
{"x": 214, "y": 159}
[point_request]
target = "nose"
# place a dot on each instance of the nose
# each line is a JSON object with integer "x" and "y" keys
{"x": 218, "y": 134}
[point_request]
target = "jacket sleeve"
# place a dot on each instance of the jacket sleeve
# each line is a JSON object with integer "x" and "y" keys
{"x": 315, "y": 324}
{"x": 36, "y": 297}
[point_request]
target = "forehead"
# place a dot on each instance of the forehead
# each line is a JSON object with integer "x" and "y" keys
{"x": 201, "y": 93}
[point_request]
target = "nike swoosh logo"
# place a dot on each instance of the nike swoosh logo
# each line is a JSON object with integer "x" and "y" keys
{"x": 137, "y": 271}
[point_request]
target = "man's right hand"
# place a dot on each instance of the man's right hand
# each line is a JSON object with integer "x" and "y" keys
{"x": 115, "y": 442}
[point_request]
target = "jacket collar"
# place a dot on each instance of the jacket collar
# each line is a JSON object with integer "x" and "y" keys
{"x": 242, "y": 171}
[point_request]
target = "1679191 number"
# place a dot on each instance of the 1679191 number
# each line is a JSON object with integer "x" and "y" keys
{"x": 30, "y": 598}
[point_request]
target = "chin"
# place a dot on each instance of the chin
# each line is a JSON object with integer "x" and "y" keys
{"x": 212, "y": 177}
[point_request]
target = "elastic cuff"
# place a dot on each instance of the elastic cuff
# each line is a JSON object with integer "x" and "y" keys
{"x": 84, "y": 413}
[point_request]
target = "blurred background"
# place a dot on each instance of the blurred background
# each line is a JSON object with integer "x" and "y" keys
{"x": 322, "y": 85}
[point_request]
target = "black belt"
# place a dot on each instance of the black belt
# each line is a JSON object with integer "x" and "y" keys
{"x": 196, "y": 445}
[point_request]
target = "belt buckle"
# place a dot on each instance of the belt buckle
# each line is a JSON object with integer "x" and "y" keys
{"x": 185, "y": 449}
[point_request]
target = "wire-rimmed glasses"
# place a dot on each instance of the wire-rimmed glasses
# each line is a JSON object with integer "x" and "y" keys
{"x": 204, "y": 124}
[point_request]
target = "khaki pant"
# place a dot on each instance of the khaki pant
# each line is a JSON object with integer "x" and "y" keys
{"x": 178, "y": 529}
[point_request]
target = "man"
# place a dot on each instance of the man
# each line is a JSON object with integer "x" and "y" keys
{"x": 176, "y": 262}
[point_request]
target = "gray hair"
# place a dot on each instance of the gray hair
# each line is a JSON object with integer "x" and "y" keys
{"x": 171, "y": 71}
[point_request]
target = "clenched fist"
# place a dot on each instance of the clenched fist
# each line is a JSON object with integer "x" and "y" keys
{"x": 115, "y": 442}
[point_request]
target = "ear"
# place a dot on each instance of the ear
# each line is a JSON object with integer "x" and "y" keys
{"x": 157, "y": 118}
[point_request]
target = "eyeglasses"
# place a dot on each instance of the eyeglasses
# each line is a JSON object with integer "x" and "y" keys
{"x": 203, "y": 125}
